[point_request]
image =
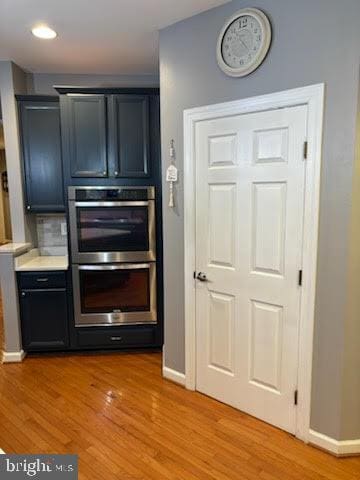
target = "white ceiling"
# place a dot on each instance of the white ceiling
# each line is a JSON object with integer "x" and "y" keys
{"x": 94, "y": 36}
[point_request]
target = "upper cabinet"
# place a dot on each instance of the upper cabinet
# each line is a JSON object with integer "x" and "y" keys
{"x": 41, "y": 147}
{"x": 87, "y": 135}
{"x": 110, "y": 135}
{"x": 129, "y": 135}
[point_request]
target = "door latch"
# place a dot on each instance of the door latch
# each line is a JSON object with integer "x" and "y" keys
{"x": 202, "y": 277}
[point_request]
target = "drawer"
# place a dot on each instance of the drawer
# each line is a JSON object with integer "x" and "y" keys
{"x": 115, "y": 337}
{"x": 31, "y": 280}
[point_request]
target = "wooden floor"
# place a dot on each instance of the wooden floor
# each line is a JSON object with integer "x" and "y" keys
{"x": 1, "y": 327}
{"x": 125, "y": 422}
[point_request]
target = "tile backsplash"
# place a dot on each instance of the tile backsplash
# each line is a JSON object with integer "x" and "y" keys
{"x": 51, "y": 241}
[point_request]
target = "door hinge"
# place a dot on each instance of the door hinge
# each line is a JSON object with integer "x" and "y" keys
{"x": 295, "y": 397}
{"x": 300, "y": 278}
{"x": 305, "y": 150}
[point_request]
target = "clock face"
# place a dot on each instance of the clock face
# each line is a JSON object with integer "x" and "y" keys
{"x": 243, "y": 42}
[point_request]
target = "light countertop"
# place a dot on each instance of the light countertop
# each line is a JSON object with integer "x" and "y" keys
{"x": 15, "y": 248}
{"x": 34, "y": 262}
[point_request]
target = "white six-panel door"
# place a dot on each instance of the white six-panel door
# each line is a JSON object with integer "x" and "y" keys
{"x": 250, "y": 178}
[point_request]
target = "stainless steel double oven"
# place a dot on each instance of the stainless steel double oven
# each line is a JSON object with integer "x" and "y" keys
{"x": 113, "y": 252}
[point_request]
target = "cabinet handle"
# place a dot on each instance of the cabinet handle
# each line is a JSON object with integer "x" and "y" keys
{"x": 116, "y": 173}
{"x": 42, "y": 279}
{"x": 23, "y": 294}
{"x": 28, "y": 207}
{"x": 116, "y": 339}
{"x": 104, "y": 172}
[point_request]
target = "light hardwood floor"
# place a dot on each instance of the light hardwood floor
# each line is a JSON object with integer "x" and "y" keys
{"x": 1, "y": 327}
{"x": 126, "y": 422}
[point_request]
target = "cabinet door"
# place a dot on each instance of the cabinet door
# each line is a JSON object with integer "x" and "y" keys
{"x": 41, "y": 142}
{"x": 129, "y": 135}
{"x": 87, "y": 135}
{"x": 44, "y": 319}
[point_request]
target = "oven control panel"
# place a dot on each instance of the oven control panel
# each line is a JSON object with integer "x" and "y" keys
{"x": 111, "y": 193}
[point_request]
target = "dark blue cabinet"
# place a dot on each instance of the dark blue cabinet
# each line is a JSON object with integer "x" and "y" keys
{"x": 111, "y": 134}
{"x": 42, "y": 160}
{"x": 129, "y": 135}
{"x": 86, "y": 130}
{"x": 44, "y": 311}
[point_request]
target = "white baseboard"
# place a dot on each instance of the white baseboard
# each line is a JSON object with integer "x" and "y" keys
{"x": 337, "y": 447}
{"x": 13, "y": 357}
{"x": 173, "y": 375}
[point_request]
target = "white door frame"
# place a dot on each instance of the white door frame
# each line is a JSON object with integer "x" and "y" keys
{"x": 313, "y": 97}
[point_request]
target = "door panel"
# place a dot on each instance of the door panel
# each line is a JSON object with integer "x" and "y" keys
{"x": 250, "y": 179}
{"x": 268, "y": 227}
{"x": 222, "y": 150}
{"x": 129, "y": 126}
{"x": 87, "y": 135}
{"x": 266, "y": 336}
{"x": 40, "y": 132}
{"x": 221, "y": 329}
{"x": 271, "y": 145}
{"x": 44, "y": 326}
{"x": 222, "y": 218}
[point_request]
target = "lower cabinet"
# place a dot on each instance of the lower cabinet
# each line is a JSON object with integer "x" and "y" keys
{"x": 44, "y": 318}
{"x": 116, "y": 337}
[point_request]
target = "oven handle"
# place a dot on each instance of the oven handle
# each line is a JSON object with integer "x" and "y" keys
{"x": 112, "y": 204}
{"x": 123, "y": 266}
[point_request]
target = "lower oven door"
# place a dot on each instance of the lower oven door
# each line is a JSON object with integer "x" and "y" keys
{"x": 120, "y": 294}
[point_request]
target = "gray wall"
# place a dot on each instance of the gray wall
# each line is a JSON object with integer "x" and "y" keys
{"x": 12, "y": 82}
{"x": 42, "y": 83}
{"x": 314, "y": 41}
{"x": 351, "y": 377}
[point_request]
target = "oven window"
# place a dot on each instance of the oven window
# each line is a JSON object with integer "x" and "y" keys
{"x": 106, "y": 291}
{"x": 112, "y": 229}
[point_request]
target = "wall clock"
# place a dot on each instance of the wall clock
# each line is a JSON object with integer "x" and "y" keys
{"x": 243, "y": 42}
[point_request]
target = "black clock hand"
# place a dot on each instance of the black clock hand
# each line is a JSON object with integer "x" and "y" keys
{"x": 242, "y": 41}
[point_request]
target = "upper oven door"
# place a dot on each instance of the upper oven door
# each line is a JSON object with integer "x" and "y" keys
{"x": 108, "y": 232}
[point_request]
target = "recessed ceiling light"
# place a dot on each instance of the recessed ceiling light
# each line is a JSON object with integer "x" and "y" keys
{"x": 43, "y": 31}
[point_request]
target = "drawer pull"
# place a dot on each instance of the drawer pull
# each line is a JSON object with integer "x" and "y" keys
{"x": 116, "y": 339}
{"x": 42, "y": 279}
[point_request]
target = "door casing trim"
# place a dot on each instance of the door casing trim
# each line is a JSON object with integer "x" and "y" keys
{"x": 313, "y": 97}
